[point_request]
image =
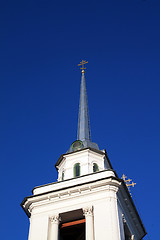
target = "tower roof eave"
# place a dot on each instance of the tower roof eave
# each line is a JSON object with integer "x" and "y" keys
{"x": 102, "y": 152}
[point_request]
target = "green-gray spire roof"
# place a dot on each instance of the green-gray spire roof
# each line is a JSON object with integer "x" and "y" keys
{"x": 83, "y": 132}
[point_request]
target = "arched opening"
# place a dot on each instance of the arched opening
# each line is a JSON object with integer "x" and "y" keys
{"x": 77, "y": 170}
{"x": 95, "y": 167}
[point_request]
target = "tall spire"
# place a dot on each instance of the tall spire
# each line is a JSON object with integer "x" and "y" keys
{"x": 83, "y": 132}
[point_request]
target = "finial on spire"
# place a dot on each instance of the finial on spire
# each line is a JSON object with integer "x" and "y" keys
{"x": 82, "y": 64}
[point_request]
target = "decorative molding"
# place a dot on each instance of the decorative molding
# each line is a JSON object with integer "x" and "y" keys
{"x": 55, "y": 219}
{"x": 88, "y": 211}
{"x": 98, "y": 185}
{"x": 31, "y": 207}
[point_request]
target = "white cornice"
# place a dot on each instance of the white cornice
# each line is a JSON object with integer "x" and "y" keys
{"x": 108, "y": 184}
{"x": 73, "y": 181}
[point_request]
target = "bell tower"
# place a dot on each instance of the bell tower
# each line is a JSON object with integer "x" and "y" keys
{"x": 89, "y": 201}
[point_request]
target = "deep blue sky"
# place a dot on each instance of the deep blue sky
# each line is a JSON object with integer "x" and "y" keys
{"x": 41, "y": 43}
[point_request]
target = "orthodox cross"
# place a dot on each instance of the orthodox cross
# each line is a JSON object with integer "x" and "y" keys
{"x": 128, "y": 182}
{"x": 82, "y": 64}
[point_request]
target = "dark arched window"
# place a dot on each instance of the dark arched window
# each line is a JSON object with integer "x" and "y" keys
{"x": 62, "y": 175}
{"x": 95, "y": 167}
{"x": 77, "y": 170}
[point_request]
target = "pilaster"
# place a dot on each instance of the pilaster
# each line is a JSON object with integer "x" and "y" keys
{"x": 88, "y": 213}
{"x": 53, "y": 227}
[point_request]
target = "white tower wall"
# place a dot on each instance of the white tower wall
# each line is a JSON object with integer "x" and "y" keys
{"x": 85, "y": 158}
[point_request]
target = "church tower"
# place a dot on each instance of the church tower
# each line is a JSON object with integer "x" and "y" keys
{"x": 89, "y": 201}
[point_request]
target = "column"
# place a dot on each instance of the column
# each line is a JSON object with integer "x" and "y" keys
{"x": 88, "y": 213}
{"x": 53, "y": 231}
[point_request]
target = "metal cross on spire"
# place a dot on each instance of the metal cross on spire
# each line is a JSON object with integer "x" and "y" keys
{"x": 83, "y": 65}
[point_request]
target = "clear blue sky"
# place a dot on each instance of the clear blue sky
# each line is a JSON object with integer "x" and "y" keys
{"x": 41, "y": 43}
